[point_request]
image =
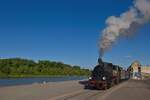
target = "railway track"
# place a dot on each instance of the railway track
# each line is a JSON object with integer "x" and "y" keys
{"x": 89, "y": 94}
{"x": 84, "y": 95}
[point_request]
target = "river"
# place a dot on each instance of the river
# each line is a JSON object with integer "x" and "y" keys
{"x": 24, "y": 81}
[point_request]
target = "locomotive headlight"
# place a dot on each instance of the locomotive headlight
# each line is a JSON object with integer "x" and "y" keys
{"x": 90, "y": 78}
{"x": 104, "y": 78}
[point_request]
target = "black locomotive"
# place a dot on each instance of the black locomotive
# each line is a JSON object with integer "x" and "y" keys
{"x": 105, "y": 75}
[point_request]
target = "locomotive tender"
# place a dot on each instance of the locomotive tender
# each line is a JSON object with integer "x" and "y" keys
{"x": 106, "y": 75}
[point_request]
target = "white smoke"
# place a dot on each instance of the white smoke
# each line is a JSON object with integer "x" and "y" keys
{"x": 124, "y": 25}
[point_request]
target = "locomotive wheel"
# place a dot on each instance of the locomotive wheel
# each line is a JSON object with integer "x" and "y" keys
{"x": 116, "y": 81}
{"x": 113, "y": 83}
{"x": 98, "y": 86}
{"x": 105, "y": 87}
{"x": 109, "y": 85}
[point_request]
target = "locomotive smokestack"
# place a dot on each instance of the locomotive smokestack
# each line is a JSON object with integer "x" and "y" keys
{"x": 100, "y": 62}
{"x": 125, "y": 24}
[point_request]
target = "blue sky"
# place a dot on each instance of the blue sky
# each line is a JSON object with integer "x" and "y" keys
{"x": 67, "y": 31}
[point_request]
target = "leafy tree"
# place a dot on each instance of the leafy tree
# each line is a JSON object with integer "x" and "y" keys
{"x": 24, "y": 67}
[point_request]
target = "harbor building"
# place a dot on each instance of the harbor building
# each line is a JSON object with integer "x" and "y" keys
{"x": 135, "y": 70}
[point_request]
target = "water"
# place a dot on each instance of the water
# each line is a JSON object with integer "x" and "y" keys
{"x": 23, "y": 81}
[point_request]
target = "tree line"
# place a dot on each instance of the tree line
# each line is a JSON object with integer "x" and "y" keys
{"x": 18, "y": 67}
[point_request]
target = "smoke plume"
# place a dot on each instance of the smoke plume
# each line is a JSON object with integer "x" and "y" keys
{"x": 124, "y": 25}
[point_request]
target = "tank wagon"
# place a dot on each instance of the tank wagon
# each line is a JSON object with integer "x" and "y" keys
{"x": 105, "y": 75}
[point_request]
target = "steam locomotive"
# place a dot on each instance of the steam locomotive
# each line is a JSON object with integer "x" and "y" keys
{"x": 106, "y": 75}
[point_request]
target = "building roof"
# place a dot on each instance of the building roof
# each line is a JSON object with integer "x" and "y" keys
{"x": 136, "y": 62}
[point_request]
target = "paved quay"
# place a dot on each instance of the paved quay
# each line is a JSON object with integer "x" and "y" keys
{"x": 74, "y": 90}
{"x": 133, "y": 90}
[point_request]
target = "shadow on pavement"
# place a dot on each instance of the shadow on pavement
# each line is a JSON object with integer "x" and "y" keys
{"x": 85, "y": 84}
